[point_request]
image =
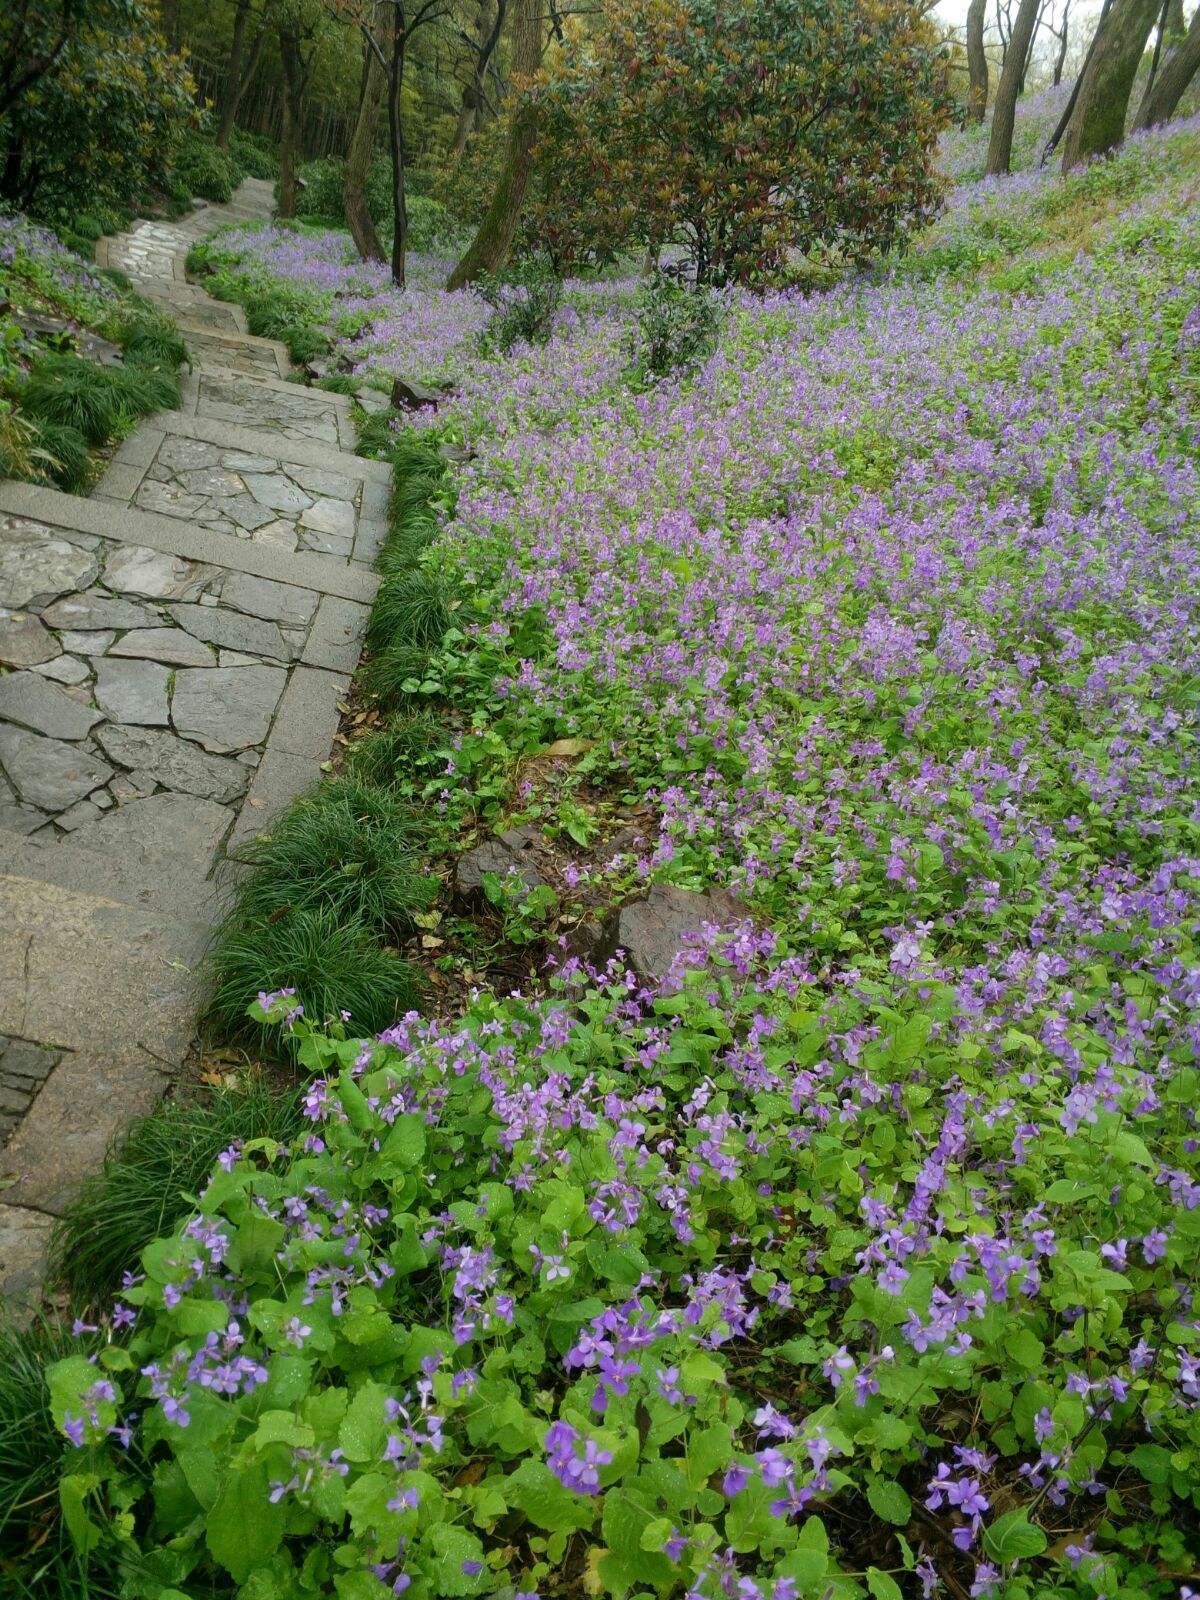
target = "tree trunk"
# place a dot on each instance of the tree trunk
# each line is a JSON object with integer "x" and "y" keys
{"x": 1177, "y": 71}
{"x": 362, "y": 148}
{"x": 236, "y": 90}
{"x": 233, "y": 74}
{"x": 1004, "y": 112}
{"x": 1060, "y": 60}
{"x": 1176, "y": 27}
{"x": 396, "y": 145}
{"x": 1098, "y": 122}
{"x": 470, "y": 115}
{"x": 490, "y": 248}
{"x": 293, "y": 92}
{"x": 977, "y": 62}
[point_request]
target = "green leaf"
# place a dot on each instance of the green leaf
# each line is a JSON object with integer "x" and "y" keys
{"x": 1013, "y": 1537}
{"x": 889, "y": 1500}
{"x": 364, "y": 1427}
{"x": 881, "y": 1586}
{"x": 243, "y": 1528}
{"x": 451, "y": 1548}
{"x": 534, "y": 1489}
{"x": 405, "y": 1143}
{"x": 1025, "y": 1348}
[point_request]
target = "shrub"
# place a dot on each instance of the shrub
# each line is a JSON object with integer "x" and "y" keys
{"x": 147, "y": 1184}
{"x": 63, "y": 456}
{"x": 525, "y": 302}
{"x": 253, "y": 154}
{"x": 673, "y": 328}
{"x": 206, "y": 171}
{"x": 152, "y": 342}
{"x": 101, "y": 129}
{"x": 735, "y": 172}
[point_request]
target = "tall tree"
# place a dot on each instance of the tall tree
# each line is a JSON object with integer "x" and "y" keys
{"x": 1004, "y": 112}
{"x": 977, "y": 62}
{"x": 489, "y": 22}
{"x": 390, "y": 45}
{"x": 362, "y": 147}
{"x": 493, "y": 242}
{"x": 241, "y": 67}
{"x": 296, "y": 66}
{"x": 1098, "y": 120}
{"x": 1062, "y": 33}
{"x": 1166, "y": 90}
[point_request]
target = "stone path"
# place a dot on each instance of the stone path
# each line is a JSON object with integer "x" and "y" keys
{"x": 177, "y": 646}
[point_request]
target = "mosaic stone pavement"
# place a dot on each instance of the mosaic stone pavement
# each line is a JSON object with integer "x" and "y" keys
{"x": 173, "y": 651}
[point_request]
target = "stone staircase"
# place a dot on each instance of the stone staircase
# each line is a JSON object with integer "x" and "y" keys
{"x": 177, "y": 646}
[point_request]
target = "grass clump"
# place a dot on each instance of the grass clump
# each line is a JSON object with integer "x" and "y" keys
{"x": 99, "y": 402}
{"x": 62, "y": 456}
{"x": 334, "y": 966}
{"x": 331, "y": 888}
{"x": 389, "y": 753}
{"x": 411, "y": 608}
{"x": 348, "y": 846}
{"x": 37, "y": 1561}
{"x": 147, "y": 1183}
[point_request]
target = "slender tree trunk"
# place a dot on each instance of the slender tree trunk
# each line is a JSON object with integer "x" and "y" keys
{"x": 977, "y": 62}
{"x": 1177, "y": 71}
{"x": 396, "y": 143}
{"x": 293, "y": 92}
{"x": 1176, "y": 26}
{"x": 491, "y": 246}
{"x": 237, "y": 92}
{"x": 1098, "y": 122}
{"x": 1004, "y": 112}
{"x": 362, "y": 148}
{"x": 233, "y": 74}
{"x": 1060, "y": 60}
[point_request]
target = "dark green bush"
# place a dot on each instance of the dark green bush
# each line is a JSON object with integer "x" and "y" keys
{"x": 430, "y": 225}
{"x": 674, "y": 328}
{"x": 253, "y": 154}
{"x": 206, "y": 171}
{"x": 97, "y": 401}
{"x": 524, "y": 302}
{"x": 66, "y": 459}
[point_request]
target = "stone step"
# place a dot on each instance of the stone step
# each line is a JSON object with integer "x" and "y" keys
{"x": 154, "y": 855}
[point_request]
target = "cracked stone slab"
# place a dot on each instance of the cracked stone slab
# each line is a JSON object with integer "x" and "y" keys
{"x": 36, "y": 567}
{"x": 263, "y": 597}
{"x": 175, "y": 646}
{"x": 47, "y": 773}
{"x": 226, "y": 708}
{"x": 133, "y": 691}
{"x": 24, "y": 642}
{"x": 42, "y": 707}
{"x": 24, "y": 1249}
{"x": 136, "y": 569}
{"x": 64, "y": 669}
{"x": 96, "y": 609}
{"x": 173, "y": 762}
{"x": 233, "y": 630}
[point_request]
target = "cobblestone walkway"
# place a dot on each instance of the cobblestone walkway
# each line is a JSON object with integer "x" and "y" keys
{"x": 176, "y": 648}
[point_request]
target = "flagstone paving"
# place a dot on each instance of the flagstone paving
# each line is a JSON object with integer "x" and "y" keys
{"x": 172, "y": 654}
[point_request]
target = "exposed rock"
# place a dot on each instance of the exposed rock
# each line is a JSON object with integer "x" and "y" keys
{"x": 169, "y": 499}
{"x": 319, "y": 480}
{"x": 27, "y": 699}
{"x": 274, "y": 490}
{"x": 247, "y": 512}
{"x": 330, "y": 516}
{"x": 36, "y": 568}
{"x": 653, "y": 931}
{"x": 408, "y": 395}
{"x": 212, "y": 481}
{"x": 24, "y": 642}
{"x": 226, "y": 708}
{"x": 508, "y": 852}
{"x": 133, "y": 691}
{"x": 181, "y": 455}
{"x": 89, "y": 642}
{"x": 166, "y": 759}
{"x": 45, "y": 772}
{"x": 173, "y": 645}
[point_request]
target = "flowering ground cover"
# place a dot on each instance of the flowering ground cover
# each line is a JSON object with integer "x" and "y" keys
{"x": 859, "y": 1257}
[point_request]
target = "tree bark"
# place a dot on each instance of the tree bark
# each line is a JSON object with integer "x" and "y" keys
{"x": 241, "y": 70}
{"x": 1004, "y": 112}
{"x": 1177, "y": 71}
{"x": 493, "y": 243}
{"x": 396, "y": 143}
{"x": 473, "y": 97}
{"x": 1098, "y": 121}
{"x": 977, "y": 62}
{"x": 1060, "y": 60}
{"x": 293, "y": 94}
{"x": 1176, "y": 27}
{"x": 362, "y": 148}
